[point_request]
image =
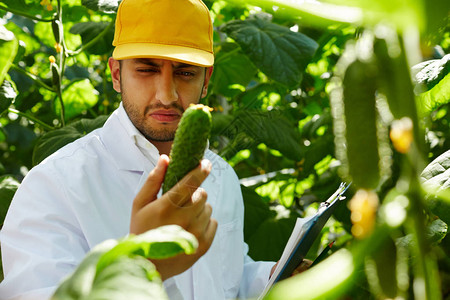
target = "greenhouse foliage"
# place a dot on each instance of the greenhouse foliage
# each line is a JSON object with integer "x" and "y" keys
{"x": 306, "y": 94}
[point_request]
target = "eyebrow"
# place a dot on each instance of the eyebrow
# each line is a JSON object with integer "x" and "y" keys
{"x": 150, "y": 62}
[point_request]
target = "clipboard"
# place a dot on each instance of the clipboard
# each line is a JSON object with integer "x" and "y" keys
{"x": 305, "y": 232}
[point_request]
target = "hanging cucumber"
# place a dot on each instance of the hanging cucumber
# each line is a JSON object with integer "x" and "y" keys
{"x": 189, "y": 144}
{"x": 359, "y": 86}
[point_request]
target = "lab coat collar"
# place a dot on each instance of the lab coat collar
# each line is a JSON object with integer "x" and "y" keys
{"x": 121, "y": 145}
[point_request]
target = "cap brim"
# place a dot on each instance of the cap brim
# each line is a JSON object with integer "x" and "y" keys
{"x": 177, "y": 53}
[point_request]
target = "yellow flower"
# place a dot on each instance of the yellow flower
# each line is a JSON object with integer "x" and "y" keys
{"x": 47, "y": 4}
{"x": 52, "y": 59}
{"x": 401, "y": 134}
{"x": 58, "y": 47}
{"x": 363, "y": 207}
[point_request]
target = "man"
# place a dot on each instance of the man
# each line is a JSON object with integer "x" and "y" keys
{"x": 106, "y": 184}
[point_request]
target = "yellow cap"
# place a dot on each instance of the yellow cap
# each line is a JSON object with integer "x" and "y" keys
{"x": 179, "y": 30}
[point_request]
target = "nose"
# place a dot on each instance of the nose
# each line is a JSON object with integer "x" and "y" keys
{"x": 166, "y": 89}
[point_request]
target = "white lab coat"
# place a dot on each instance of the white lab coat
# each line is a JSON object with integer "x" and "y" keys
{"x": 82, "y": 195}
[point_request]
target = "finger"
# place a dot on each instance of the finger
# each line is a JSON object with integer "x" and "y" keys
{"x": 304, "y": 265}
{"x": 199, "y": 227}
{"x": 208, "y": 237}
{"x": 181, "y": 194}
{"x": 150, "y": 189}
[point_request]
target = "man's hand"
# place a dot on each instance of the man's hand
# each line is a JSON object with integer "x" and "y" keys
{"x": 184, "y": 205}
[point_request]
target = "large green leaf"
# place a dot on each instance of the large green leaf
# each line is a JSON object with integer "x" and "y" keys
{"x": 231, "y": 67}
{"x": 256, "y": 126}
{"x": 8, "y": 49}
{"x": 7, "y": 95}
{"x": 165, "y": 242}
{"x": 128, "y": 278}
{"x": 256, "y": 212}
{"x": 277, "y": 51}
{"x": 272, "y": 129}
{"x": 77, "y": 98}
{"x": 438, "y": 95}
{"x": 90, "y": 30}
{"x": 8, "y": 187}
{"x": 430, "y": 72}
{"x": 120, "y": 269}
{"x": 270, "y": 249}
{"x": 436, "y": 177}
{"x": 54, "y": 140}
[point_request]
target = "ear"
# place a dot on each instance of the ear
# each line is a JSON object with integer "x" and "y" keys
{"x": 208, "y": 74}
{"x": 114, "y": 66}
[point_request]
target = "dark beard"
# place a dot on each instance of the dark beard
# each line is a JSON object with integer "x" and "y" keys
{"x": 163, "y": 135}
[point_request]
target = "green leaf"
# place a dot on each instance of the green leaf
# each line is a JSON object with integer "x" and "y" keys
{"x": 116, "y": 270}
{"x": 54, "y": 140}
{"x": 231, "y": 67}
{"x": 256, "y": 126}
{"x": 272, "y": 129}
{"x": 164, "y": 242}
{"x": 7, "y": 95}
{"x": 438, "y": 95}
{"x": 436, "y": 178}
{"x": 277, "y": 51}
{"x": 89, "y": 31}
{"x": 279, "y": 230}
{"x": 437, "y": 231}
{"x": 256, "y": 211}
{"x": 8, "y": 187}
{"x": 77, "y": 98}
{"x": 105, "y": 6}
{"x": 8, "y": 50}
{"x": 79, "y": 283}
{"x": 128, "y": 278}
{"x": 430, "y": 72}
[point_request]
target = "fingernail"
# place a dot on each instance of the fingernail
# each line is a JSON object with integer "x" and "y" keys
{"x": 197, "y": 194}
{"x": 206, "y": 165}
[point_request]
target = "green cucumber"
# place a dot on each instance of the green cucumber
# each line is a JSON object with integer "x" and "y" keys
{"x": 189, "y": 144}
{"x": 359, "y": 86}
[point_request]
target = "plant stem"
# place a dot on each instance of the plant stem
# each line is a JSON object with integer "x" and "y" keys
{"x": 62, "y": 63}
{"x": 31, "y": 118}
{"x": 425, "y": 266}
{"x": 33, "y": 77}
{"x": 23, "y": 14}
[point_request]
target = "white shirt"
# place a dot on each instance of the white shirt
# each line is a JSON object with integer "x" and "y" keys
{"x": 83, "y": 194}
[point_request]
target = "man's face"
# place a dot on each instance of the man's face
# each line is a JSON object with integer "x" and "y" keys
{"x": 156, "y": 92}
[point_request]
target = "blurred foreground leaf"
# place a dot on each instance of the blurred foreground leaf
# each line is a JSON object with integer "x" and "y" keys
{"x": 120, "y": 269}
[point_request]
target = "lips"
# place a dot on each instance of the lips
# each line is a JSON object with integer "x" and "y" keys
{"x": 166, "y": 116}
